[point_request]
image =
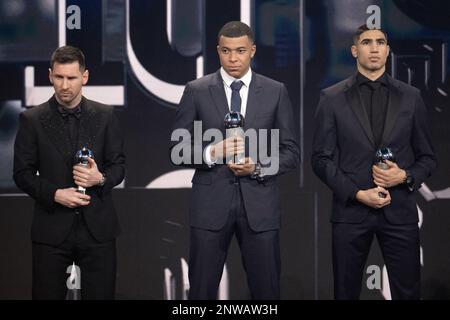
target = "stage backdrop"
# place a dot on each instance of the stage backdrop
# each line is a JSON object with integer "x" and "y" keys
{"x": 141, "y": 54}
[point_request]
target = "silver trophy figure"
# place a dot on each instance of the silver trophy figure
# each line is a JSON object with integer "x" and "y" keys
{"x": 381, "y": 156}
{"x": 81, "y": 159}
{"x": 234, "y": 127}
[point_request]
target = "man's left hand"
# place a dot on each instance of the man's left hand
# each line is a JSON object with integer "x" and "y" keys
{"x": 245, "y": 168}
{"x": 87, "y": 176}
{"x": 390, "y": 177}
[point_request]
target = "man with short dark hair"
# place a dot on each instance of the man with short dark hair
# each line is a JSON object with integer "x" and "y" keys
{"x": 68, "y": 225}
{"x": 367, "y": 112}
{"x": 236, "y": 198}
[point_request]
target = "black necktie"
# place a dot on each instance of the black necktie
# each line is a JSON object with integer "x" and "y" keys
{"x": 235, "y": 96}
{"x": 376, "y": 111}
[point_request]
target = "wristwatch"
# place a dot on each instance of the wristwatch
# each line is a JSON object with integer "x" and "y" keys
{"x": 102, "y": 182}
{"x": 409, "y": 180}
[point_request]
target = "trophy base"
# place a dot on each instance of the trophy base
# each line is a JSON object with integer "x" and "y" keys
{"x": 81, "y": 190}
{"x": 238, "y": 159}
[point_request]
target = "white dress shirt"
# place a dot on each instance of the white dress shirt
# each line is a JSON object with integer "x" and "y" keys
{"x": 227, "y": 81}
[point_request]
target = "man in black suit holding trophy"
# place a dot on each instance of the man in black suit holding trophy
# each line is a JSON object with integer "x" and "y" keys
{"x": 68, "y": 155}
{"x": 372, "y": 194}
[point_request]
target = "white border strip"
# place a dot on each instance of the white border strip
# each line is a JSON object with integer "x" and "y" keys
{"x": 246, "y": 12}
{"x": 169, "y": 20}
{"x": 61, "y": 23}
{"x": 112, "y": 95}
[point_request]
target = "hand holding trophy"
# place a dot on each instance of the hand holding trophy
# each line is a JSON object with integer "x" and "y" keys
{"x": 381, "y": 156}
{"x": 234, "y": 127}
{"x": 81, "y": 159}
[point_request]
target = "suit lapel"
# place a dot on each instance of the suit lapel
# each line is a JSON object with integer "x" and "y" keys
{"x": 253, "y": 101}
{"x": 217, "y": 92}
{"x": 392, "y": 109}
{"x": 54, "y": 127}
{"x": 355, "y": 102}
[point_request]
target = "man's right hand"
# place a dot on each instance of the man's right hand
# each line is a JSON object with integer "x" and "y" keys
{"x": 71, "y": 198}
{"x": 371, "y": 198}
{"x": 227, "y": 148}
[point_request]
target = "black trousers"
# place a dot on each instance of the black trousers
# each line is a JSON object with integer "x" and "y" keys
{"x": 97, "y": 262}
{"x": 259, "y": 250}
{"x": 400, "y": 247}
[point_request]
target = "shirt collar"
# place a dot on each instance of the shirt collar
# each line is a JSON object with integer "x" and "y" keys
{"x": 228, "y": 80}
{"x": 64, "y": 111}
{"x": 362, "y": 79}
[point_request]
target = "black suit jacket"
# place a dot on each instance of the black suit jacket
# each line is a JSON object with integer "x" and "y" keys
{"x": 268, "y": 107}
{"x": 43, "y": 160}
{"x": 344, "y": 148}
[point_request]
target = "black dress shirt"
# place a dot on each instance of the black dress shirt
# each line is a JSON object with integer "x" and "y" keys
{"x": 71, "y": 118}
{"x": 374, "y": 97}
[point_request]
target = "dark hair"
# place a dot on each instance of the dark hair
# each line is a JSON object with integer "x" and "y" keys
{"x": 364, "y": 28}
{"x": 68, "y": 54}
{"x": 236, "y": 29}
